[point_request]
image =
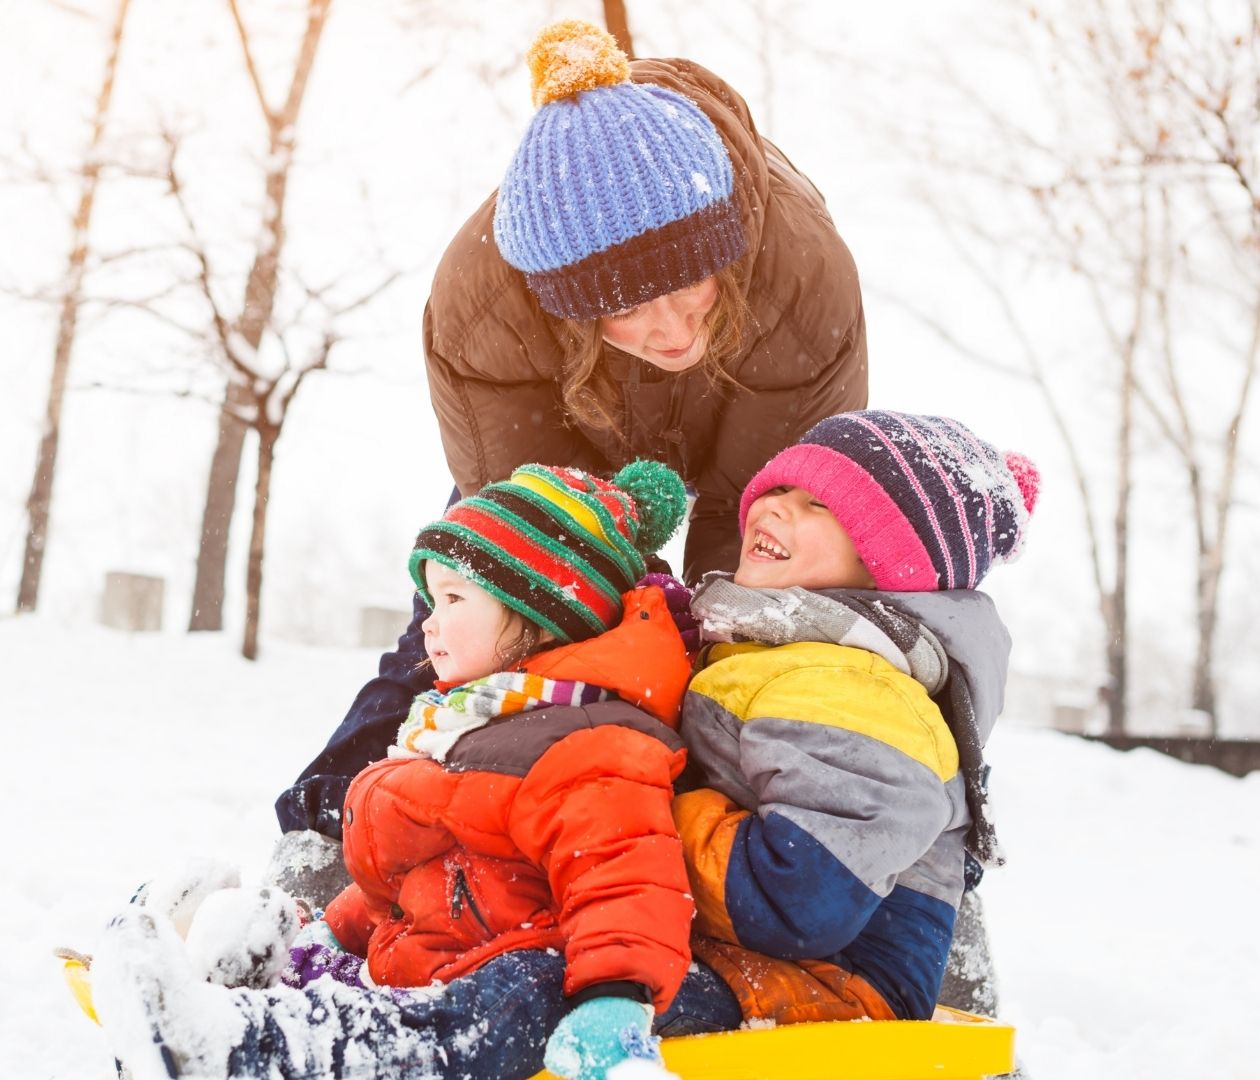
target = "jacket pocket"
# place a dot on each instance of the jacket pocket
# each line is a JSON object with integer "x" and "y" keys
{"x": 463, "y": 902}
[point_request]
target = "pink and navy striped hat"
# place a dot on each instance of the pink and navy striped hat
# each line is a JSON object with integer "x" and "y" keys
{"x": 927, "y": 504}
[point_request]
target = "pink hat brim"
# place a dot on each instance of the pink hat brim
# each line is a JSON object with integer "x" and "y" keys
{"x": 885, "y": 540}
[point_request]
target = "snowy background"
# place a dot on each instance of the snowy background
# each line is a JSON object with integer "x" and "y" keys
{"x": 1122, "y": 927}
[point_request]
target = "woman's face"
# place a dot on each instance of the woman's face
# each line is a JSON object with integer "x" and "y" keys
{"x": 669, "y": 331}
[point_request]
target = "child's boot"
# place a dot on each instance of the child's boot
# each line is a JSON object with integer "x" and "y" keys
{"x": 164, "y": 1022}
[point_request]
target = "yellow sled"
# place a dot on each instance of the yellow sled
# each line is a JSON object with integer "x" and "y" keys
{"x": 951, "y": 1046}
{"x": 75, "y": 968}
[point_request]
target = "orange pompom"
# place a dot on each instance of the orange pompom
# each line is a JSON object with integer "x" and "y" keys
{"x": 571, "y": 56}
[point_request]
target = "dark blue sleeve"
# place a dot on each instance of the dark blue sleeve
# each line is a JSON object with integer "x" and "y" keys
{"x": 316, "y": 797}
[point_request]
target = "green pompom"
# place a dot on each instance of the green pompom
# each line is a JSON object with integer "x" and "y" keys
{"x": 660, "y": 497}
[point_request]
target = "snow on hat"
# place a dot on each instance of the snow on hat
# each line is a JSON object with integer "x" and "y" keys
{"x": 619, "y": 192}
{"x": 927, "y": 504}
{"x": 557, "y": 545}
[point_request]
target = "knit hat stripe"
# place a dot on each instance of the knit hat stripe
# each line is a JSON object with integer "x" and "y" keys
{"x": 980, "y": 495}
{"x": 561, "y": 497}
{"x": 579, "y": 549}
{"x": 674, "y": 256}
{"x": 591, "y": 513}
{"x": 550, "y": 556}
{"x": 612, "y": 500}
{"x": 509, "y": 582}
{"x": 536, "y": 553}
{"x": 1004, "y": 517}
{"x": 906, "y": 486}
{"x": 936, "y": 445}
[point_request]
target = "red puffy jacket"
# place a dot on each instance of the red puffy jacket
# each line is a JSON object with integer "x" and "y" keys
{"x": 543, "y": 829}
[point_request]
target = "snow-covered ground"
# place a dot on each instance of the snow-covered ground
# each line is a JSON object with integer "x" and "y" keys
{"x": 1123, "y": 926}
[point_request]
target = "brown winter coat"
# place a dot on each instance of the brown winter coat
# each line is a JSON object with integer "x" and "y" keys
{"x": 494, "y": 356}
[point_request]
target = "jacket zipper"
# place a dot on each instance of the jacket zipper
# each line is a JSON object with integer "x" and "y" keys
{"x": 462, "y": 893}
{"x": 627, "y": 410}
{"x": 672, "y": 434}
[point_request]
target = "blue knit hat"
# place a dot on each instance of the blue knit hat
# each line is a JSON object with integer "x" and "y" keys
{"x": 619, "y": 192}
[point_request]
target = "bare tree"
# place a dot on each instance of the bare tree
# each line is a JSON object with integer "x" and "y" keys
{"x": 1208, "y": 75}
{"x": 1146, "y": 193}
{"x": 264, "y": 381}
{"x": 39, "y": 502}
{"x": 256, "y": 310}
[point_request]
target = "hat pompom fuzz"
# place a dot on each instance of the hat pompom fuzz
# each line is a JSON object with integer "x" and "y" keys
{"x": 571, "y": 56}
{"x": 660, "y": 497}
{"x": 1027, "y": 477}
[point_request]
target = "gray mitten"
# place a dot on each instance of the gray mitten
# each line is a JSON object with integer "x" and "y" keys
{"x": 308, "y": 865}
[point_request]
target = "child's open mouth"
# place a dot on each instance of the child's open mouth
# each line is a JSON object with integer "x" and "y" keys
{"x": 768, "y": 546}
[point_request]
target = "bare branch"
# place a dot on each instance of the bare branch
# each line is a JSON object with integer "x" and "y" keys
{"x": 222, "y": 325}
{"x": 317, "y": 13}
{"x": 251, "y": 65}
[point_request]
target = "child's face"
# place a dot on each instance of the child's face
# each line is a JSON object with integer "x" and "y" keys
{"x": 793, "y": 539}
{"x": 466, "y": 628}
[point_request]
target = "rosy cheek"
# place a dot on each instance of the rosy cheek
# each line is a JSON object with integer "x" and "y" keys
{"x": 617, "y": 333}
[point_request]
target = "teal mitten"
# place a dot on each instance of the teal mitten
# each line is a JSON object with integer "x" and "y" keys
{"x": 599, "y": 1034}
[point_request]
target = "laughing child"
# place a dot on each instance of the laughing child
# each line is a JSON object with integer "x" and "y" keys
{"x": 836, "y": 722}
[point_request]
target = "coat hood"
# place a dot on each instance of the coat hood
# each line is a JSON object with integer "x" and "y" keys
{"x": 976, "y": 641}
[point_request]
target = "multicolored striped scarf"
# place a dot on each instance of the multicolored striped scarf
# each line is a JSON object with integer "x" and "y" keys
{"x": 437, "y": 719}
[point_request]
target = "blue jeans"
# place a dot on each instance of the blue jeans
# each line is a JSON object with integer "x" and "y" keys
{"x": 521, "y": 996}
{"x": 492, "y": 1024}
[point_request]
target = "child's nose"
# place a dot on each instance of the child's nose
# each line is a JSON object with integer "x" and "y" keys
{"x": 776, "y": 502}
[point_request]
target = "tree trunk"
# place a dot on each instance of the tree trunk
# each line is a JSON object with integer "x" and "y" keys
{"x": 39, "y": 502}
{"x": 1117, "y": 642}
{"x": 1116, "y": 689}
{"x": 1203, "y": 691}
{"x": 216, "y": 520}
{"x": 259, "y": 302}
{"x": 618, "y": 24}
{"x": 267, "y": 436}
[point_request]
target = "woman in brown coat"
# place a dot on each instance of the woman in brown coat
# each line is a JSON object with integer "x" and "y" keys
{"x": 661, "y": 283}
{"x": 652, "y": 279}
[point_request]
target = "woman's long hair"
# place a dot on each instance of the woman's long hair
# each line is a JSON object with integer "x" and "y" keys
{"x": 594, "y": 399}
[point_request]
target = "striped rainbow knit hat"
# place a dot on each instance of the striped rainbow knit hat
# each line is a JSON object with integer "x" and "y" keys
{"x": 927, "y": 504}
{"x": 619, "y": 192}
{"x": 557, "y": 545}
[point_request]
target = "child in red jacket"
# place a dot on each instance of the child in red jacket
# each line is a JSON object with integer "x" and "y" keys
{"x": 516, "y": 849}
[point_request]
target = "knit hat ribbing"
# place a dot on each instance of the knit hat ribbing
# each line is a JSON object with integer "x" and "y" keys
{"x": 619, "y": 192}
{"x": 557, "y": 545}
{"x": 927, "y": 504}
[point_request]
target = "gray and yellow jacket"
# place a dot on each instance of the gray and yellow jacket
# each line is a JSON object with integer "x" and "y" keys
{"x": 826, "y": 846}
